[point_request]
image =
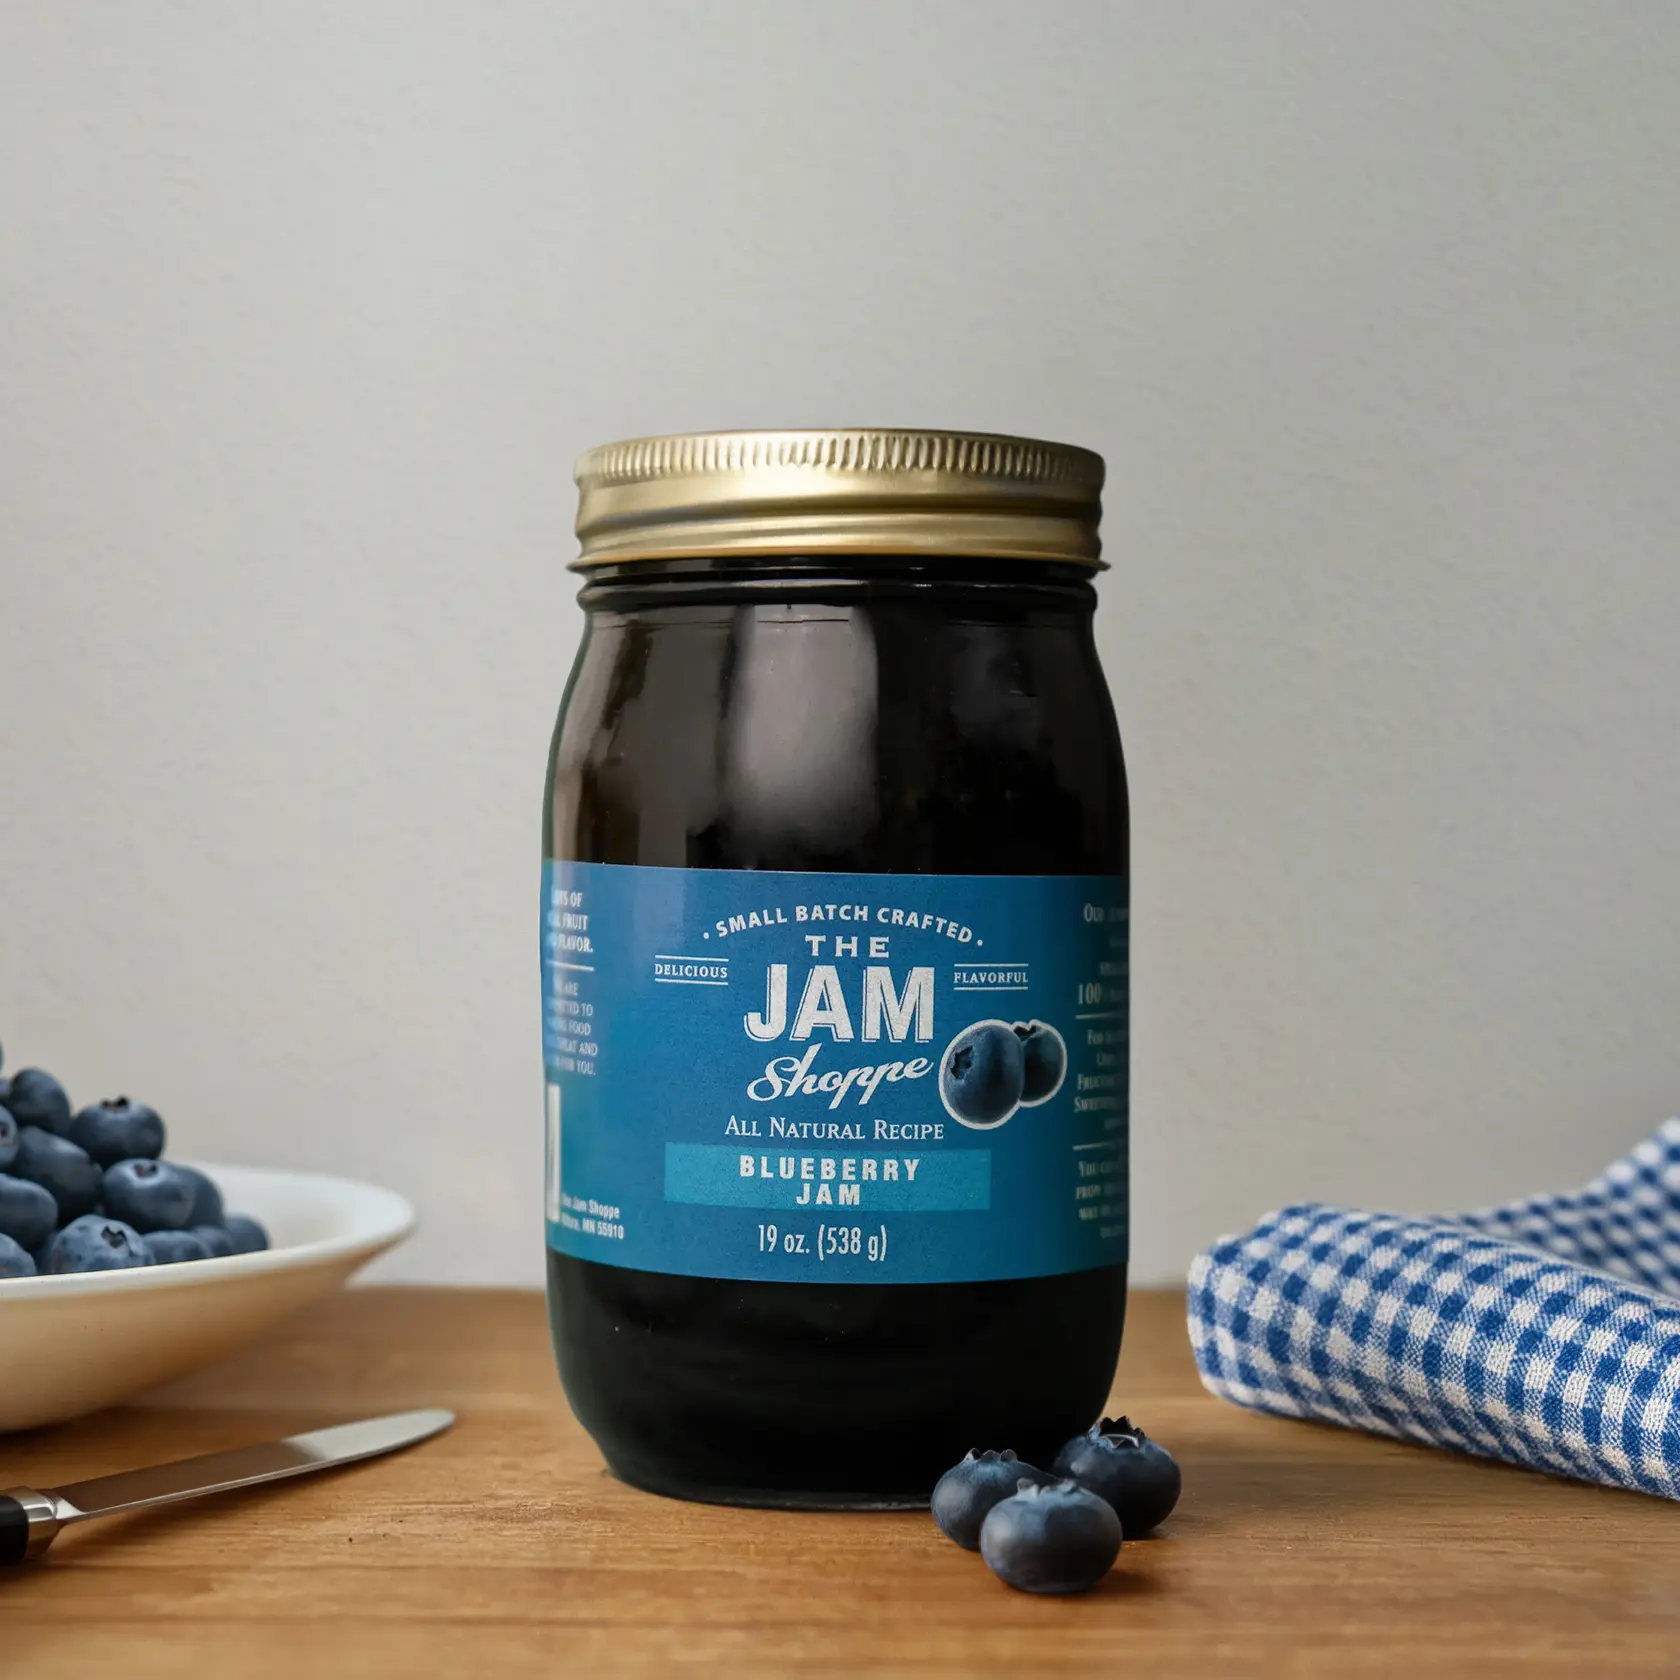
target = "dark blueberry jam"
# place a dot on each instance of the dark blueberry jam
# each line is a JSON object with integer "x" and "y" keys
{"x": 930, "y": 716}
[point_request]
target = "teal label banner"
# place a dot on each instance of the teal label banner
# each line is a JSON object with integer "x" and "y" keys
{"x": 835, "y": 1078}
{"x": 714, "y": 1175}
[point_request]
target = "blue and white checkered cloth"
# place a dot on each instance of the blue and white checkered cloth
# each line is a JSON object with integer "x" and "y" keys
{"x": 1546, "y": 1333}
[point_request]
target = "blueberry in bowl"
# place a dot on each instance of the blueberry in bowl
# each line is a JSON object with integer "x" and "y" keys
{"x": 37, "y": 1099}
{"x": 174, "y": 1248}
{"x": 60, "y": 1167}
{"x": 118, "y": 1130}
{"x": 9, "y": 1138}
{"x": 28, "y": 1213}
{"x": 247, "y": 1233}
{"x": 15, "y": 1260}
{"x": 149, "y": 1195}
{"x": 97, "y": 1243}
{"x": 207, "y": 1198}
{"x": 981, "y": 1074}
{"x": 218, "y": 1243}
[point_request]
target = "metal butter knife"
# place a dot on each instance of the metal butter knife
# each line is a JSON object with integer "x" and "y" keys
{"x": 30, "y": 1518}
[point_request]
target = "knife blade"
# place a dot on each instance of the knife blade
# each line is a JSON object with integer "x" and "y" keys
{"x": 31, "y": 1518}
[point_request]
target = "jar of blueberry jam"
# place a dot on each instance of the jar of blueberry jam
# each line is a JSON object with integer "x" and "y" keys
{"x": 834, "y": 961}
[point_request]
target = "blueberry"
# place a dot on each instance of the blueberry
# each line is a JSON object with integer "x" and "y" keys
{"x": 1045, "y": 1058}
{"x": 207, "y": 1199}
{"x": 118, "y": 1130}
{"x": 1056, "y": 1539}
{"x": 149, "y": 1195}
{"x": 37, "y": 1099}
{"x": 168, "y": 1248}
{"x": 1137, "y": 1476}
{"x": 980, "y": 1074}
{"x": 58, "y": 1165}
{"x": 95, "y": 1243}
{"x": 248, "y": 1236}
{"x": 15, "y": 1260}
{"x": 218, "y": 1245}
{"x": 28, "y": 1214}
{"x": 967, "y": 1491}
{"x": 8, "y": 1138}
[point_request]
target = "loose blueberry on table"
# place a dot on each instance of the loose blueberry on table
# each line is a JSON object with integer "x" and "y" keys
{"x": 967, "y": 1491}
{"x": 1136, "y": 1475}
{"x": 1059, "y": 1533}
{"x": 1056, "y": 1539}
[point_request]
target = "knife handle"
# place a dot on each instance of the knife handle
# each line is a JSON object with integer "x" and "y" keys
{"x": 29, "y": 1523}
{"x": 14, "y": 1530}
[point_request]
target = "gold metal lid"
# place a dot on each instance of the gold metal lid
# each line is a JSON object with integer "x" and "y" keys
{"x": 838, "y": 492}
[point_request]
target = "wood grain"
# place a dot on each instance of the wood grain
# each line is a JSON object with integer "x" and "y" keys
{"x": 502, "y": 1548}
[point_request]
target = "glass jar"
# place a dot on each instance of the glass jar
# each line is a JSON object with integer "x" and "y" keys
{"x": 834, "y": 935}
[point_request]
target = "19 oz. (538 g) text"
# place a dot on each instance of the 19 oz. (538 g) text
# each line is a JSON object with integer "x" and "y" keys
{"x": 831, "y": 1240}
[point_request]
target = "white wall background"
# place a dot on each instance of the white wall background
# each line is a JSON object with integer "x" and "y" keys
{"x": 305, "y": 309}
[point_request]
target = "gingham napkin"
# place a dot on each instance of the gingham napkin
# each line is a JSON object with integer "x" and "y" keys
{"x": 1546, "y": 1333}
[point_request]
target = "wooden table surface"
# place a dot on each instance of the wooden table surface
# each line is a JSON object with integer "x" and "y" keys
{"x": 503, "y": 1548}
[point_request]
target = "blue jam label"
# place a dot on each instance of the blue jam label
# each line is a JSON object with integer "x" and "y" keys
{"x": 835, "y": 1078}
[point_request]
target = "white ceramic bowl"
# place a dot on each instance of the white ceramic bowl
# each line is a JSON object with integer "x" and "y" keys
{"x": 74, "y": 1343}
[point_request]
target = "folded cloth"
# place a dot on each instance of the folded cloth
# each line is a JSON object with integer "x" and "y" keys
{"x": 1546, "y": 1332}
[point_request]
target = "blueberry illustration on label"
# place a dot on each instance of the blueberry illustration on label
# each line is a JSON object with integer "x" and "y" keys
{"x": 1045, "y": 1058}
{"x": 981, "y": 1074}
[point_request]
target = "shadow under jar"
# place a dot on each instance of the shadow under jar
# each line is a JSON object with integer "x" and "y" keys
{"x": 834, "y": 965}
